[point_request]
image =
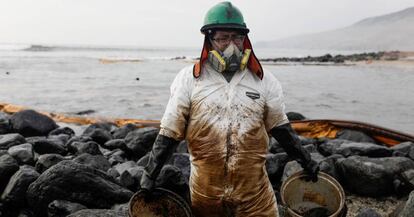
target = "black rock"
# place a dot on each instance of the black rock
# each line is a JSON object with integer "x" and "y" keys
{"x": 404, "y": 183}
{"x": 96, "y": 161}
{"x": 355, "y": 136}
{"x": 25, "y": 212}
{"x": 97, "y": 213}
{"x": 124, "y": 166}
{"x": 49, "y": 146}
{"x": 14, "y": 195}
{"x": 310, "y": 148}
{"x": 22, "y": 153}
{"x": 291, "y": 168}
{"x": 121, "y": 208}
{"x": 295, "y": 116}
{"x": 78, "y": 139}
{"x": 4, "y": 123}
{"x": 140, "y": 141}
{"x": 46, "y": 161}
{"x": 98, "y": 135}
{"x": 408, "y": 178}
{"x": 327, "y": 147}
{"x": 63, "y": 208}
{"x": 367, "y": 212}
{"x": 123, "y": 131}
{"x": 182, "y": 161}
{"x": 116, "y": 157}
{"x": 62, "y": 130}
{"x": 62, "y": 137}
{"x": 113, "y": 173}
{"x": 328, "y": 165}
{"x": 131, "y": 177}
{"x": 356, "y": 148}
{"x": 408, "y": 209}
{"x": 88, "y": 147}
{"x": 361, "y": 172}
{"x": 78, "y": 183}
{"x": 9, "y": 140}
{"x": 411, "y": 153}
{"x": 31, "y": 123}
{"x": 404, "y": 147}
{"x": 115, "y": 144}
{"x": 8, "y": 166}
{"x": 107, "y": 126}
{"x": 275, "y": 164}
{"x": 173, "y": 179}
{"x": 34, "y": 139}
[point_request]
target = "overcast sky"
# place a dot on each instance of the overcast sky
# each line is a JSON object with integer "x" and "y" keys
{"x": 172, "y": 22}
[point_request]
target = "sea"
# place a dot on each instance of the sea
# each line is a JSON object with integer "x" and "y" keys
{"x": 133, "y": 82}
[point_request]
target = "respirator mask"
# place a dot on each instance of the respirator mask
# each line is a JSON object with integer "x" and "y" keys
{"x": 231, "y": 59}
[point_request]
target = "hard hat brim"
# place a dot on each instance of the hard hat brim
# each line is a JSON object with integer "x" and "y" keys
{"x": 225, "y": 26}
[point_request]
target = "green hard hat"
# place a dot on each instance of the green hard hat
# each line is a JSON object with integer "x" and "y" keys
{"x": 224, "y": 16}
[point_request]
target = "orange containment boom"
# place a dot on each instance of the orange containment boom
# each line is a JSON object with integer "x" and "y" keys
{"x": 329, "y": 128}
{"x": 321, "y": 128}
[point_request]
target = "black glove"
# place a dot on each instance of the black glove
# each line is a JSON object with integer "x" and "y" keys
{"x": 311, "y": 170}
{"x": 162, "y": 150}
{"x": 288, "y": 139}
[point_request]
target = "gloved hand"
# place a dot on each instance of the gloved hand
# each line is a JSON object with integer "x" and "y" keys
{"x": 311, "y": 169}
{"x": 288, "y": 139}
{"x": 147, "y": 184}
{"x": 162, "y": 150}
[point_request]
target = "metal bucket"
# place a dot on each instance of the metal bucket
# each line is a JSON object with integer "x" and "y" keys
{"x": 300, "y": 197}
{"x": 165, "y": 203}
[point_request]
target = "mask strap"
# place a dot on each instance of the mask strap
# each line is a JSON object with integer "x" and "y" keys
{"x": 253, "y": 63}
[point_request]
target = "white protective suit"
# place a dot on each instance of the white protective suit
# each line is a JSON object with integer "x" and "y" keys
{"x": 226, "y": 125}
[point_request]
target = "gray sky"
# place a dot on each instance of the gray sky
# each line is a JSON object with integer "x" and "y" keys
{"x": 172, "y": 22}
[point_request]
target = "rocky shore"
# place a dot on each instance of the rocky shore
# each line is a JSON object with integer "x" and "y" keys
{"x": 48, "y": 170}
{"x": 341, "y": 59}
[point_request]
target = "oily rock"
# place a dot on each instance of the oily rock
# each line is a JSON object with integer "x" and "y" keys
{"x": 78, "y": 183}
{"x": 355, "y": 148}
{"x": 140, "y": 141}
{"x": 15, "y": 192}
{"x": 31, "y": 123}
{"x": 23, "y": 153}
{"x": 123, "y": 131}
{"x": 63, "y": 208}
{"x": 372, "y": 176}
{"x": 96, "y": 161}
{"x": 49, "y": 146}
{"x": 8, "y": 166}
{"x": 46, "y": 161}
{"x": 355, "y": 136}
{"x": 10, "y": 140}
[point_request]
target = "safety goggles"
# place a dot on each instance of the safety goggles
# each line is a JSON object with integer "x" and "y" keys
{"x": 238, "y": 39}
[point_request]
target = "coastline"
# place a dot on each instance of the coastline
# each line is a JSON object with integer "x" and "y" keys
{"x": 382, "y": 58}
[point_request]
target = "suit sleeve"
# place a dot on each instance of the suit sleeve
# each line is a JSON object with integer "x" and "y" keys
{"x": 174, "y": 121}
{"x": 274, "y": 107}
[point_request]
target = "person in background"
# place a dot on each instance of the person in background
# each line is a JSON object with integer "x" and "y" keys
{"x": 226, "y": 106}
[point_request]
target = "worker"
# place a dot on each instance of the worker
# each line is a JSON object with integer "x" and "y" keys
{"x": 226, "y": 106}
